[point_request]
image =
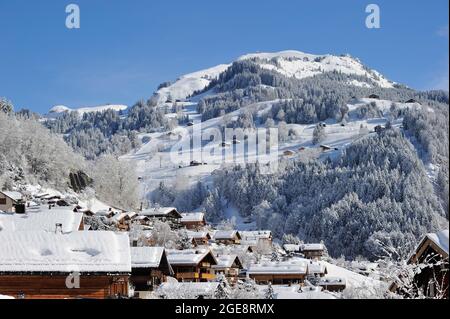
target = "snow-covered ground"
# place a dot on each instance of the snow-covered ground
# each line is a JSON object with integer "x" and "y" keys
{"x": 166, "y": 156}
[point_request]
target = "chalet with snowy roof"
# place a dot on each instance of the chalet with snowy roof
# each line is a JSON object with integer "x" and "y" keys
{"x": 9, "y": 200}
{"x": 164, "y": 214}
{"x": 199, "y": 238}
{"x": 229, "y": 266}
{"x": 312, "y": 251}
{"x": 431, "y": 255}
{"x": 149, "y": 268}
{"x": 193, "y": 220}
{"x": 316, "y": 269}
{"x": 192, "y": 265}
{"x": 261, "y": 239}
{"x": 332, "y": 283}
{"x": 52, "y": 265}
{"x": 43, "y": 219}
{"x": 227, "y": 237}
{"x": 279, "y": 273}
{"x": 188, "y": 290}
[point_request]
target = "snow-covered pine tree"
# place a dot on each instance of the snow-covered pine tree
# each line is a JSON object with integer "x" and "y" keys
{"x": 269, "y": 293}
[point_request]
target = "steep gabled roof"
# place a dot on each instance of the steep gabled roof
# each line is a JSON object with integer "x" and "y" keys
{"x": 146, "y": 257}
{"x": 188, "y": 257}
{"x": 15, "y": 196}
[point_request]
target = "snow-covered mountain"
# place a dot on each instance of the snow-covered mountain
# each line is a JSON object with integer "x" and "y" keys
{"x": 59, "y": 109}
{"x": 290, "y": 63}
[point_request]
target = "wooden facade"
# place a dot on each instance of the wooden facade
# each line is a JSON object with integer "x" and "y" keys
{"x": 200, "y": 271}
{"x": 229, "y": 269}
{"x": 53, "y": 286}
{"x": 278, "y": 278}
{"x": 8, "y": 202}
{"x": 147, "y": 278}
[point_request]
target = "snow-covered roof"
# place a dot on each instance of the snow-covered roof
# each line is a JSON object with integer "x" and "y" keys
{"x": 306, "y": 247}
{"x": 197, "y": 234}
{"x": 316, "y": 268}
{"x": 86, "y": 252}
{"x": 15, "y": 196}
{"x": 440, "y": 239}
{"x": 159, "y": 211}
{"x": 42, "y": 219}
{"x": 191, "y": 288}
{"x": 146, "y": 257}
{"x": 226, "y": 261}
{"x": 257, "y": 234}
{"x": 187, "y": 257}
{"x": 192, "y": 217}
{"x": 324, "y": 281}
{"x": 287, "y": 267}
{"x": 226, "y": 234}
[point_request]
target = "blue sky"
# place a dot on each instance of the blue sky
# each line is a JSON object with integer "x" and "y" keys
{"x": 124, "y": 49}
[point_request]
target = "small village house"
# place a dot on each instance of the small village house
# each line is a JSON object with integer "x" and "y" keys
{"x": 431, "y": 255}
{"x": 149, "y": 268}
{"x": 192, "y": 265}
{"x": 312, "y": 251}
{"x": 279, "y": 273}
{"x": 227, "y": 237}
{"x": 199, "y": 238}
{"x": 259, "y": 239}
{"x": 229, "y": 266}
{"x": 164, "y": 214}
{"x": 8, "y": 200}
{"x": 193, "y": 220}
{"x": 36, "y": 264}
{"x": 333, "y": 284}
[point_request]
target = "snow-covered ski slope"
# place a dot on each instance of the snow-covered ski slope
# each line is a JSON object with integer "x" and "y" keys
{"x": 160, "y": 159}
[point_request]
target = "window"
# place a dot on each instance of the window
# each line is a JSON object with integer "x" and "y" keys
{"x": 2, "y": 201}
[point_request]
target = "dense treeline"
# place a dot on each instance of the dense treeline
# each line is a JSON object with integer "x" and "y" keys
{"x": 377, "y": 192}
{"x": 307, "y": 100}
{"x": 108, "y": 132}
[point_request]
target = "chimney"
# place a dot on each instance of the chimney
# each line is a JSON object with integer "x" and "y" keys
{"x": 58, "y": 228}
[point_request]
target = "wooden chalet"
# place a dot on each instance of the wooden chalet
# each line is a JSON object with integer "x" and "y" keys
{"x": 229, "y": 266}
{"x": 164, "y": 214}
{"x": 432, "y": 257}
{"x": 312, "y": 251}
{"x": 332, "y": 283}
{"x": 9, "y": 200}
{"x": 261, "y": 239}
{"x": 49, "y": 265}
{"x": 227, "y": 237}
{"x": 149, "y": 268}
{"x": 279, "y": 273}
{"x": 199, "y": 238}
{"x": 193, "y": 220}
{"x": 192, "y": 265}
